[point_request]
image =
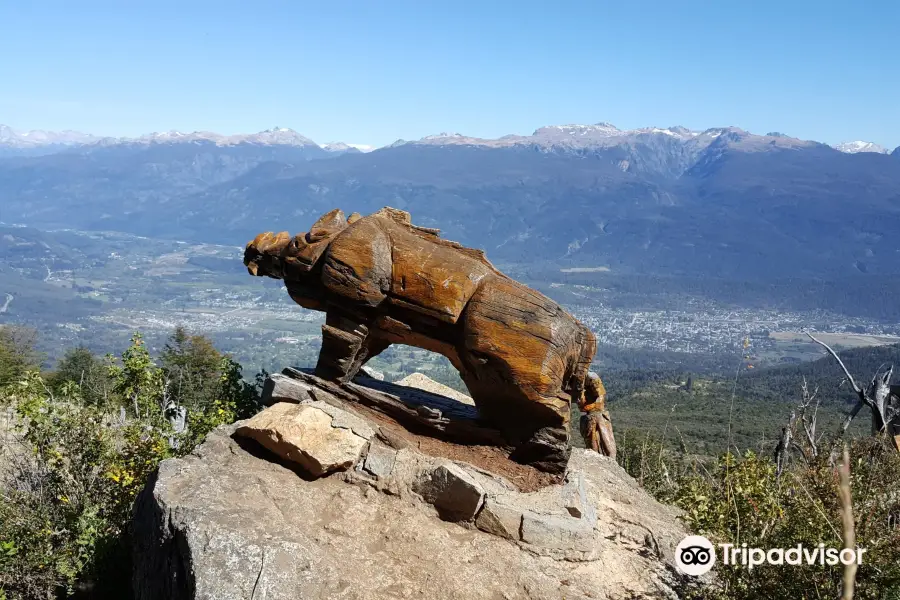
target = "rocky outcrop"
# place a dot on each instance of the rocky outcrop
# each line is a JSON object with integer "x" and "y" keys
{"x": 237, "y": 520}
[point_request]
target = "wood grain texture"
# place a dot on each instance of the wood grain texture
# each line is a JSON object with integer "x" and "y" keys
{"x": 382, "y": 280}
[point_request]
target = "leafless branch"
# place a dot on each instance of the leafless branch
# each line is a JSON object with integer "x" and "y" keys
{"x": 809, "y": 421}
{"x": 864, "y": 396}
{"x": 806, "y": 414}
{"x": 840, "y": 362}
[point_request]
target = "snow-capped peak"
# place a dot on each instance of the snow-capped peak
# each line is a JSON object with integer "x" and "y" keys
{"x": 443, "y": 135}
{"x": 607, "y": 130}
{"x": 163, "y": 136}
{"x": 345, "y": 147}
{"x": 275, "y": 136}
{"x": 573, "y": 130}
{"x": 35, "y": 138}
{"x": 860, "y": 146}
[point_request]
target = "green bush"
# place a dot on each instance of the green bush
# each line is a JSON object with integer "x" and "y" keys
{"x": 646, "y": 458}
{"x": 78, "y": 463}
{"x": 743, "y": 500}
{"x": 17, "y": 353}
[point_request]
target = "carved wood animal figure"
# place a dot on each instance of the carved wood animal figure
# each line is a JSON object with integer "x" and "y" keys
{"x": 382, "y": 280}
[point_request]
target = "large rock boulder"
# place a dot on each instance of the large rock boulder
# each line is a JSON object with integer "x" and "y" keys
{"x": 230, "y": 521}
{"x": 305, "y": 434}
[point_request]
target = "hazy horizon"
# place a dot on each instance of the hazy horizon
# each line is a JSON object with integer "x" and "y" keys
{"x": 402, "y": 70}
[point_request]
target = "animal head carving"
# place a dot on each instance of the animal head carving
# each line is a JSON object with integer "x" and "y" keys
{"x": 282, "y": 257}
{"x": 263, "y": 256}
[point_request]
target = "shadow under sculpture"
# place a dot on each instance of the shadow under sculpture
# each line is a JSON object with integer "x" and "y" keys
{"x": 382, "y": 280}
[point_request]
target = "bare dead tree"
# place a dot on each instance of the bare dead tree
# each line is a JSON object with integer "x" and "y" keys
{"x": 808, "y": 414}
{"x": 884, "y": 406}
{"x": 804, "y": 417}
{"x": 784, "y": 445}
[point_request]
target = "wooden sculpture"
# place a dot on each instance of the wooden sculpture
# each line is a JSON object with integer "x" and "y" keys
{"x": 382, "y": 280}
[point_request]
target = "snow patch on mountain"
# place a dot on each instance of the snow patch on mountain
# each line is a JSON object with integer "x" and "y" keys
{"x": 346, "y": 147}
{"x": 860, "y": 146}
{"x": 12, "y": 138}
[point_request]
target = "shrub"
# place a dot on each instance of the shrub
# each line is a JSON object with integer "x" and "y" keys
{"x": 67, "y": 493}
{"x": 742, "y": 500}
{"x": 17, "y": 353}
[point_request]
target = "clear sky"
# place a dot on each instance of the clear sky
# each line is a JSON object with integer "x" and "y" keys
{"x": 373, "y": 71}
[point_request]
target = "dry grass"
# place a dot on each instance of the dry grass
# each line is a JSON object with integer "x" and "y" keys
{"x": 847, "y": 340}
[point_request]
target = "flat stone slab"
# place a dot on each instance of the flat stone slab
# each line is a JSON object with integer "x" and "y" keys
{"x": 343, "y": 419}
{"x": 305, "y": 435}
{"x": 370, "y": 373}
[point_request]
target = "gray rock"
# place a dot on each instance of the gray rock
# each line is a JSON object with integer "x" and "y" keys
{"x": 575, "y": 499}
{"x": 560, "y": 517}
{"x": 452, "y": 491}
{"x": 281, "y": 388}
{"x": 304, "y": 435}
{"x": 492, "y": 483}
{"x": 624, "y": 510}
{"x": 227, "y": 525}
{"x": 345, "y": 420}
{"x": 500, "y": 519}
{"x": 410, "y": 466}
{"x": 380, "y": 460}
{"x": 554, "y": 532}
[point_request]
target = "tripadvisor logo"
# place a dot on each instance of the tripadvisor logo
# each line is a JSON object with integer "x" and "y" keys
{"x": 696, "y": 555}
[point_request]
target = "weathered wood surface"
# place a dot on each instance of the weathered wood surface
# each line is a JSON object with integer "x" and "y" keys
{"x": 382, "y": 280}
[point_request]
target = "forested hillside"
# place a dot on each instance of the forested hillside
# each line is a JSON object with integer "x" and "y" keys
{"x": 701, "y": 415}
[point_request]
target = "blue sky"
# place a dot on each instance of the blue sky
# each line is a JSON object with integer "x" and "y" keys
{"x": 375, "y": 71}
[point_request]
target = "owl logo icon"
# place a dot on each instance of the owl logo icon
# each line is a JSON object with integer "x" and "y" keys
{"x": 695, "y": 555}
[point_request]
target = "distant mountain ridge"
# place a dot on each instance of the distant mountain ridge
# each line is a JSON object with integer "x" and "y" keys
{"x": 721, "y": 202}
{"x": 38, "y": 137}
{"x": 552, "y": 136}
{"x": 282, "y": 136}
{"x": 11, "y": 139}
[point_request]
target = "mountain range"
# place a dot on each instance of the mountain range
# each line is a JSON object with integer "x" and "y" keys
{"x": 575, "y": 136}
{"x": 38, "y": 142}
{"x": 716, "y": 203}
